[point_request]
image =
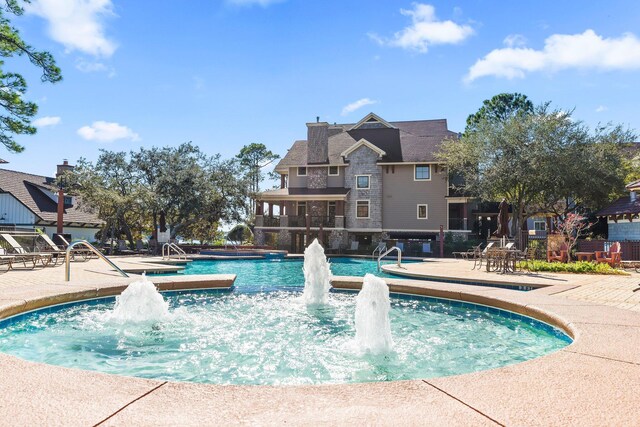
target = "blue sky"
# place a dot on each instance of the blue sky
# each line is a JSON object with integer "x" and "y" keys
{"x": 227, "y": 73}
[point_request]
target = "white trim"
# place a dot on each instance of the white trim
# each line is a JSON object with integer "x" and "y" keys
{"x": 359, "y": 144}
{"x": 368, "y": 209}
{"x": 372, "y": 116}
{"x": 329, "y": 170}
{"x": 421, "y": 179}
{"x": 364, "y": 230}
{"x": 298, "y": 205}
{"x": 298, "y": 170}
{"x": 411, "y": 230}
{"x": 426, "y": 208}
{"x": 368, "y": 187}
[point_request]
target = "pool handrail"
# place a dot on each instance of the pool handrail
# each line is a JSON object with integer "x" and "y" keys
{"x": 394, "y": 248}
{"x": 67, "y": 259}
{"x": 182, "y": 255}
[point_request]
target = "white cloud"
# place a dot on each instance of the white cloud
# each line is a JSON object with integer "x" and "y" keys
{"x": 425, "y": 30}
{"x": 102, "y": 131}
{"x": 46, "y": 121}
{"x": 350, "y": 108}
{"x": 601, "y": 108}
{"x": 561, "y": 51}
{"x": 77, "y": 24}
{"x": 90, "y": 67}
{"x": 263, "y": 3}
{"x": 515, "y": 40}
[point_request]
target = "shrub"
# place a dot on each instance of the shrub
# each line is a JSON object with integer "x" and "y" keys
{"x": 578, "y": 267}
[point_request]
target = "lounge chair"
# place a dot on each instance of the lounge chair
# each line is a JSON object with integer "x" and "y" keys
{"x": 58, "y": 252}
{"x": 560, "y": 255}
{"x": 6, "y": 261}
{"x": 483, "y": 255}
{"x": 354, "y": 246}
{"x": 22, "y": 255}
{"x": 613, "y": 256}
{"x": 473, "y": 253}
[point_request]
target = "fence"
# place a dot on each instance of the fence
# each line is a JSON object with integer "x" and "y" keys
{"x": 630, "y": 248}
{"x": 537, "y": 241}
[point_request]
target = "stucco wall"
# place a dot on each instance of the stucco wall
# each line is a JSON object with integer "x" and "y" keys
{"x": 336, "y": 181}
{"x": 363, "y": 162}
{"x": 296, "y": 181}
{"x": 401, "y": 195}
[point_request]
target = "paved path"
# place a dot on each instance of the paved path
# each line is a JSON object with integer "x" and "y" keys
{"x": 617, "y": 291}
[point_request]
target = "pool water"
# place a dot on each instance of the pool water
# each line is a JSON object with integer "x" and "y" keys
{"x": 280, "y": 272}
{"x": 267, "y": 335}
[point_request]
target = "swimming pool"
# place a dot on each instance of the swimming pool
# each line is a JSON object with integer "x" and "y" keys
{"x": 287, "y": 272}
{"x": 269, "y": 336}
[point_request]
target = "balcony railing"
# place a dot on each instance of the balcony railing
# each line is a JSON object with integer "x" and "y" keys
{"x": 456, "y": 224}
{"x": 315, "y": 221}
{"x": 325, "y": 221}
{"x": 271, "y": 221}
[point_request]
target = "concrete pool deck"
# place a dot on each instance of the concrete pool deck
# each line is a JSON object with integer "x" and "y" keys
{"x": 594, "y": 381}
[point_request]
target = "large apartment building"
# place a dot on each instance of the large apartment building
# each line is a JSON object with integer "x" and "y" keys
{"x": 363, "y": 183}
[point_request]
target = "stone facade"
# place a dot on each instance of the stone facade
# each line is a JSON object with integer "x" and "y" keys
{"x": 317, "y": 143}
{"x": 317, "y": 177}
{"x": 362, "y": 161}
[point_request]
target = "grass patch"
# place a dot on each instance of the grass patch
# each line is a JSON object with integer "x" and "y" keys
{"x": 578, "y": 267}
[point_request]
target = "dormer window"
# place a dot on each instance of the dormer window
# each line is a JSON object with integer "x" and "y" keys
{"x": 302, "y": 171}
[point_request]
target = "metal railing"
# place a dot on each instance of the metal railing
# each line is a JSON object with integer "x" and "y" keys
{"x": 271, "y": 221}
{"x": 166, "y": 251}
{"x": 67, "y": 259}
{"x": 379, "y": 249}
{"x": 387, "y": 252}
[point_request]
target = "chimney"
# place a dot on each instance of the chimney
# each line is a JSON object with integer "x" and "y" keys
{"x": 65, "y": 166}
{"x": 317, "y": 142}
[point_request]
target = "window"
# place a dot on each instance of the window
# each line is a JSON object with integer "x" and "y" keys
{"x": 422, "y": 173}
{"x": 423, "y": 211}
{"x": 331, "y": 209}
{"x": 302, "y": 171}
{"x": 362, "y": 182}
{"x": 539, "y": 225}
{"x": 333, "y": 171}
{"x": 362, "y": 209}
{"x": 302, "y": 208}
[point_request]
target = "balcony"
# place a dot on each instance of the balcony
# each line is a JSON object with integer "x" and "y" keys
{"x": 457, "y": 224}
{"x": 271, "y": 221}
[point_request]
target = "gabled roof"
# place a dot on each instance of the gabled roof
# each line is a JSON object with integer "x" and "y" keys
{"x": 622, "y": 206}
{"x": 372, "y": 119}
{"x": 30, "y": 190}
{"x": 405, "y": 141}
{"x": 363, "y": 143}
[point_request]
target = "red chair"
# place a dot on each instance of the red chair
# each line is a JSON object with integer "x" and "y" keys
{"x": 560, "y": 255}
{"x": 613, "y": 256}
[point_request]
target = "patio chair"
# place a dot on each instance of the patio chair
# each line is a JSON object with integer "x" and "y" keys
{"x": 6, "y": 260}
{"x": 560, "y": 255}
{"x": 354, "y": 246}
{"x": 22, "y": 255}
{"x": 524, "y": 257}
{"x": 482, "y": 256}
{"x": 613, "y": 256}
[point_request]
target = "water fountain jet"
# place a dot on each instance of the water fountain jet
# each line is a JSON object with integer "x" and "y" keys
{"x": 140, "y": 302}
{"x": 373, "y": 329}
{"x": 317, "y": 275}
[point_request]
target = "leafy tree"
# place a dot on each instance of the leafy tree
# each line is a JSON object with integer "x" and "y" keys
{"x": 253, "y": 158}
{"x": 536, "y": 160}
{"x": 500, "y": 108}
{"x": 16, "y": 119}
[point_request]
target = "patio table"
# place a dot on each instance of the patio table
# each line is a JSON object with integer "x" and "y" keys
{"x": 585, "y": 256}
{"x": 502, "y": 260}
